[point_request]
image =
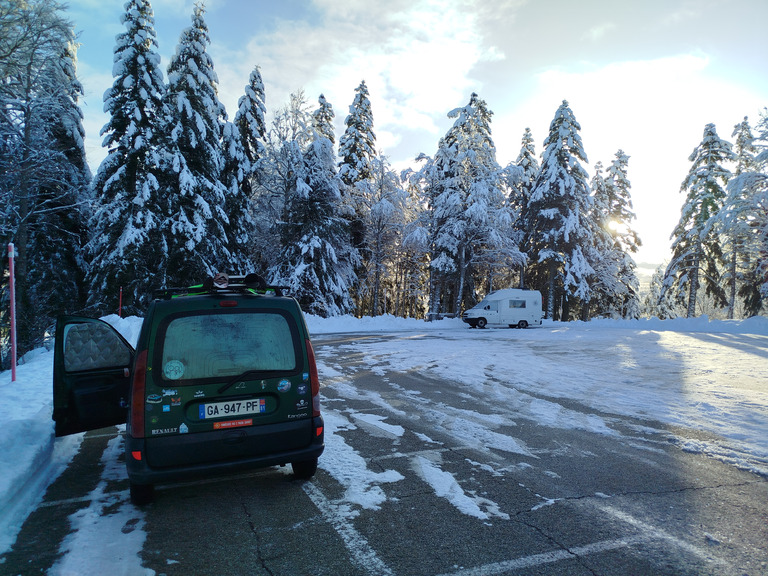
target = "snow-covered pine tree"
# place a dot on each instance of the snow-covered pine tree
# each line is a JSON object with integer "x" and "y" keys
{"x": 322, "y": 119}
{"x": 603, "y": 254}
{"x": 251, "y": 123}
{"x": 385, "y": 224}
{"x": 199, "y": 227}
{"x": 615, "y": 281}
{"x": 283, "y": 160}
{"x": 758, "y": 183}
{"x": 473, "y": 223}
{"x": 357, "y": 146}
{"x": 44, "y": 177}
{"x": 626, "y": 240}
{"x": 237, "y": 201}
{"x": 744, "y": 215}
{"x": 696, "y": 249}
{"x": 735, "y": 222}
{"x": 412, "y": 270}
{"x": 521, "y": 192}
{"x": 357, "y": 149}
{"x": 426, "y": 185}
{"x": 316, "y": 259}
{"x": 558, "y": 213}
{"x": 527, "y": 162}
{"x": 127, "y": 249}
{"x": 659, "y": 302}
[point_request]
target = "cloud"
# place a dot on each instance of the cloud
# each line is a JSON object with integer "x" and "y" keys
{"x": 416, "y": 59}
{"x": 654, "y": 110}
{"x": 596, "y": 33}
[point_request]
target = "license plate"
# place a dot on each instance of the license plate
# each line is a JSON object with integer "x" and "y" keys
{"x": 232, "y": 408}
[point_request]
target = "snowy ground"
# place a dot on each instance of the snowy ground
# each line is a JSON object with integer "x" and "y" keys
{"x": 679, "y": 373}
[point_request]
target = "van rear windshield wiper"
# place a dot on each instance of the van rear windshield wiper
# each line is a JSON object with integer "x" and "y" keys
{"x": 238, "y": 378}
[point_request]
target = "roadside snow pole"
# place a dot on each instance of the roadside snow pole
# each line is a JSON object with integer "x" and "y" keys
{"x": 12, "y": 290}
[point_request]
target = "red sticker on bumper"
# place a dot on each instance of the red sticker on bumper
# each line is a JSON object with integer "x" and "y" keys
{"x": 232, "y": 424}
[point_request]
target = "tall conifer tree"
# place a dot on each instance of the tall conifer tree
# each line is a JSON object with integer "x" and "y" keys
{"x": 558, "y": 215}
{"x": 251, "y": 123}
{"x": 736, "y": 221}
{"x": 696, "y": 248}
{"x": 238, "y": 206}
{"x": 357, "y": 149}
{"x": 127, "y": 249}
{"x": 316, "y": 259}
{"x": 198, "y": 240}
{"x": 473, "y": 223}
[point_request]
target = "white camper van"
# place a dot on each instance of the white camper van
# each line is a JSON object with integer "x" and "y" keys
{"x": 509, "y": 307}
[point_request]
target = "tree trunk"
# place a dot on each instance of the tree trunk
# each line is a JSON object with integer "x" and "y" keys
{"x": 732, "y": 295}
{"x": 693, "y": 286}
{"x": 551, "y": 290}
{"x": 23, "y": 305}
{"x": 434, "y": 294}
{"x": 462, "y": 275}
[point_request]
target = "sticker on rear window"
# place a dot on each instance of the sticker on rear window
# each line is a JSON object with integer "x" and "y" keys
{"x": 173, "y": 369}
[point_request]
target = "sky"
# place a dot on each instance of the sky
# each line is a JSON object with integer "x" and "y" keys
{"x": 642, "y": 77}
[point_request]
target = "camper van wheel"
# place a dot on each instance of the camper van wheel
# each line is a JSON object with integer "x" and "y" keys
{"x": 522, "y": 324}
{"x": 481, "y": 322}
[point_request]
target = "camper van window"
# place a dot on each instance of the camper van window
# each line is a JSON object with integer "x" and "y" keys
{"x": 517, "y": 303}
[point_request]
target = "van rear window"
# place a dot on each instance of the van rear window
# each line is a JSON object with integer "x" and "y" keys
{"x": 226, "y": 344}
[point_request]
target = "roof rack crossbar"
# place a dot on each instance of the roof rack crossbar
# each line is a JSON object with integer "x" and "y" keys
{"x": 223, "y": 284}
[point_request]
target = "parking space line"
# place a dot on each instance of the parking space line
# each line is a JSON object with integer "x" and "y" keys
{"x": 656, "y": 533}
{"x": 361, "y": 553}
{"x": 544, "y": 558}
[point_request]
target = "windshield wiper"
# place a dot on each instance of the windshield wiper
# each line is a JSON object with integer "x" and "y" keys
{"x": 237, "y": 378}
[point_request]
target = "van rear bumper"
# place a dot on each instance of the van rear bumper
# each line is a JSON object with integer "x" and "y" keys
{"x": 140, "y": 471}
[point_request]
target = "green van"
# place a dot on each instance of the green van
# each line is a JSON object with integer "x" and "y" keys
{"x": 223, "y": 379}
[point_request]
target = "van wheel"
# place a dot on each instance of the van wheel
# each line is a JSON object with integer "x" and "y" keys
{"x": 481, "y": 322}
{"x": 522, "y": 324}
{"x": 142, "y": 494}
{"x": 304, "y": 469}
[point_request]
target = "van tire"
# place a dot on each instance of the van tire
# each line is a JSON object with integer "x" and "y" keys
{"x": 522, "y": 324}
{"x": 304, "y": 469}
{"x": 481, "y": 322}
{"x": 142, "y": 494}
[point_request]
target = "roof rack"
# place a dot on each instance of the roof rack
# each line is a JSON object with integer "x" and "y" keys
{"x": 223, "y": 284}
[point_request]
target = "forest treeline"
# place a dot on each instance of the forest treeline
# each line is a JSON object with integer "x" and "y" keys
{"x": 185, "y": 192}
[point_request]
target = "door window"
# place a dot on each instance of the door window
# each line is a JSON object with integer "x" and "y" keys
{"x": 91, "y": 346}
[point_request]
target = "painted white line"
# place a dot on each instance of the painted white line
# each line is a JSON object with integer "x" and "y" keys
{"x": 544, "y": 558}
{"x": 656, "y": 533}
{"x": 361, "y": 553}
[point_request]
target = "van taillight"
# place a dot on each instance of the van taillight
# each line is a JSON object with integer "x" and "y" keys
{"x": 138, "y": 386}
{"x": 314, "y": 380}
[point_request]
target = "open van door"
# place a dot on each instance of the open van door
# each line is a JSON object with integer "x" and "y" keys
{"x": 92, "y": 366}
